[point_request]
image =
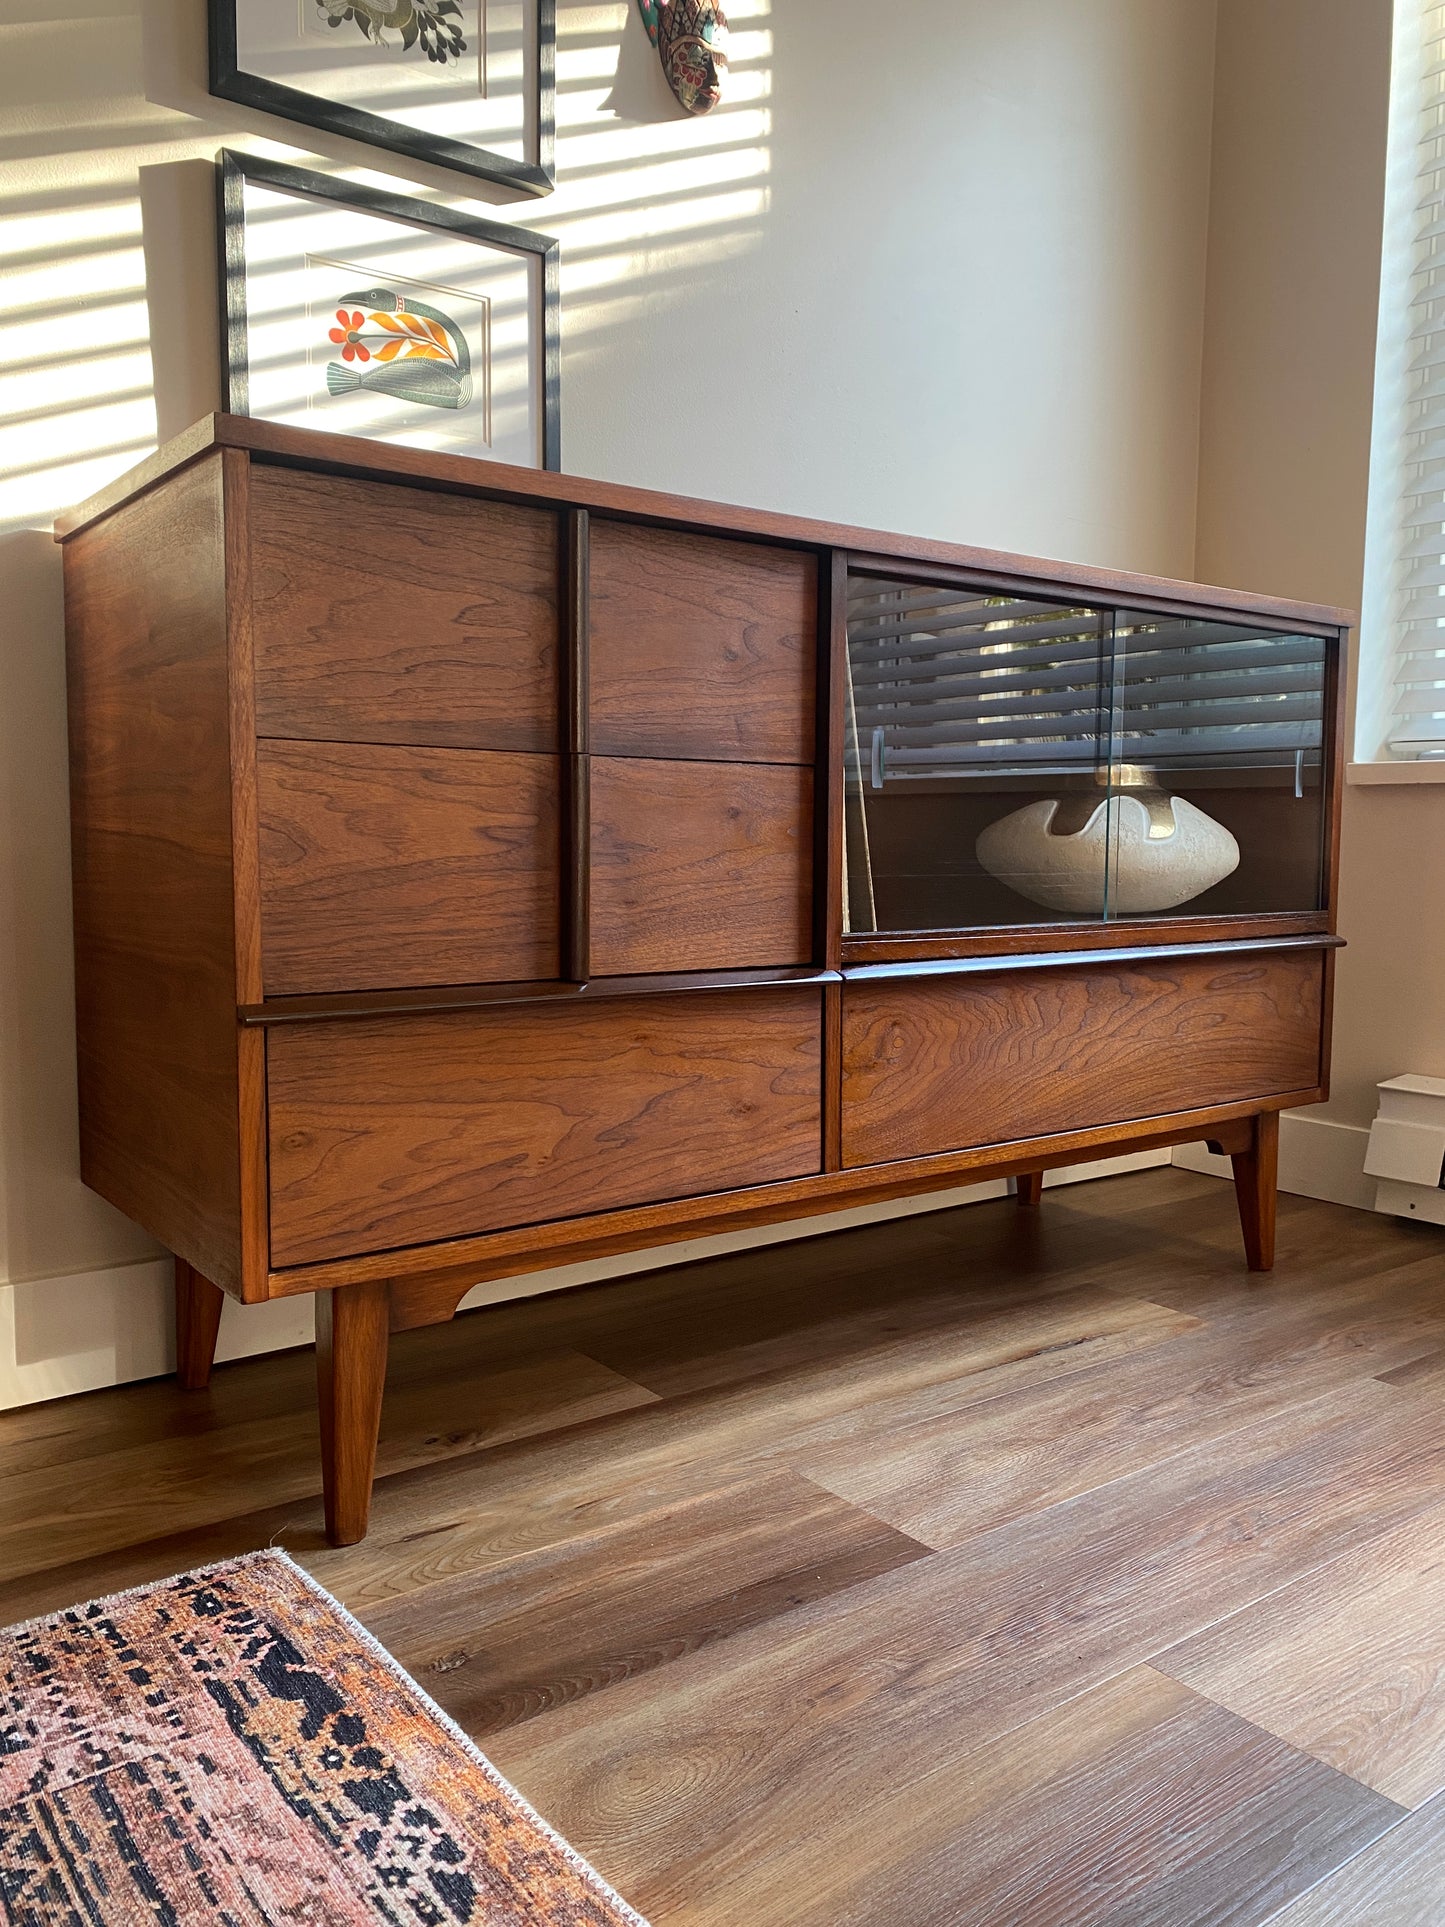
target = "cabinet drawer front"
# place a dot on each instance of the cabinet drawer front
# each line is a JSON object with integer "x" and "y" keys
{"x": 700, "y": 647}
{"x": 400, "y": 615}
{"x": 943, "y": 1064}
{"x": 400, "y": 1131}
{"x": 699, "y": 866}
{"x": 383, "y": 868}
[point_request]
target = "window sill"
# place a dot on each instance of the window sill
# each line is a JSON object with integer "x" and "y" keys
{"x": 1396, "y": 772}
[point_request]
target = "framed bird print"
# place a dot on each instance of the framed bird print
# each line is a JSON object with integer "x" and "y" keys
{"x": 466, "y": 84}
{"x": 373, "y": 314}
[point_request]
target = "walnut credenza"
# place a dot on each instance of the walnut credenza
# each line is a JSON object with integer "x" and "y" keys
{"x": 460, "y": 872}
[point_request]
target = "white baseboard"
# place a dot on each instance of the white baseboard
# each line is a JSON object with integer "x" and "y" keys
{"x": 94, "y": 1328}
{"x": 1318, "y": 1158}
{"x": 109, "y": 1327}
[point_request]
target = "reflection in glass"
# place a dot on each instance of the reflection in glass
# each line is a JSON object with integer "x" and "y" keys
{"x": 1014, "y": 760}
{"x": 1227, "y": 722}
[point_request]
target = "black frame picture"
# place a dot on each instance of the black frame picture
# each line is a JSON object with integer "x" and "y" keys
{"x": 230, "y": 81}
{"x": 235, "y": 169}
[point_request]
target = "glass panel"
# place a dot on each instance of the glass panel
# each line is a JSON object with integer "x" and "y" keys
{"x": 978, "y": 752}
{"x": 1014, "y": 760}
{"x": 1218, "y": 754}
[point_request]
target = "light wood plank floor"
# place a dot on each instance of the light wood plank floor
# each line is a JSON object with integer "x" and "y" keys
{"x": 1041, "y": 1569}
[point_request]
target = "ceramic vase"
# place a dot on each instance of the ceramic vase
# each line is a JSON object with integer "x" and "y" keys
{"x": 1158, "y": 852}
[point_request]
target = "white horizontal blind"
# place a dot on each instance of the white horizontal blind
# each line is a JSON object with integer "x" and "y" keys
{"x": 945, "y": 681}
{"x": 951, "y": 682}
{"x": 1212, "y": 695}
{"x": 1418, "y": 602}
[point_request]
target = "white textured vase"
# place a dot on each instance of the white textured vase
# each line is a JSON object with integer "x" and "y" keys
{"x": 1149, "y": 870}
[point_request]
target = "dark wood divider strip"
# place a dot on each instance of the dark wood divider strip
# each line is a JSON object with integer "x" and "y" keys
{"x": 575, "y": 627}
{"x": 394, "y": 1003}
{"x": 399, "y": 1003}
{"x": 576, "y": 768}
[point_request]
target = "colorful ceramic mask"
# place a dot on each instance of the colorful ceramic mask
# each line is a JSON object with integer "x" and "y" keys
{"x": 691, "y": 37}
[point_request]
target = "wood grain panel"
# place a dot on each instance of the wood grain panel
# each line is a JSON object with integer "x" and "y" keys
{"x": 613, "y": 1473}
{"x": 1347, "y": 1664}
{"x": 932, "y": 1064}
{"x": 936, "y": 1660}
{"x": 986, "y": 1707}
{"x": 222, "y": 1448}
{"x": 1420, "y": 1373}
{"x": 384, "y": 867}
{"x": 770, "y": 1417}
{"x": 151, "y": 847}
{"x": 1137, "y": 1803}
{"x": 699, "y": 866}
{"x": 400, "y": 1131}
{"x": 701, "y": 647}
{"x": 1397, "y": 1882}
{"x": 958, "y": 1472}
{"x": 428, "y": 1283}
{"x": 943, "y": 1656}
{"x": 393, "y": 614}
{"x": 1017, "y": 1334}
{"x": 504, "y": 1645}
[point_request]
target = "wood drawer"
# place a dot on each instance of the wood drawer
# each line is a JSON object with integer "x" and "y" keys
{"x": 700, "y": 647}
{"x": 389, "y": 614}
{"x": 402, "y": 1131}
{"x": 387, "y": 867}
{"x": 939, "y": 1064}
{"x": 699, "y": 866}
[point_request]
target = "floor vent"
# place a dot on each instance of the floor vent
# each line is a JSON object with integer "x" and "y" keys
{"x": 1407, "y": 1148}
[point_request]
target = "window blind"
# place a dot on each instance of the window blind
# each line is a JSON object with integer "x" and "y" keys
{"x": 945, "y": 682}
{"x": 1418, "y": 722}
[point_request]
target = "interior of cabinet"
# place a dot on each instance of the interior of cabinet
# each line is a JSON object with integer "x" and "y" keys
{"x": 1015, "y": 761}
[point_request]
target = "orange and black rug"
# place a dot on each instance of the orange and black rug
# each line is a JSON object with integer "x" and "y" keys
{"x": 229, "y": 1748}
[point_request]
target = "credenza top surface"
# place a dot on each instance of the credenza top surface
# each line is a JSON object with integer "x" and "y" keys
{"x": 498, "y": 480}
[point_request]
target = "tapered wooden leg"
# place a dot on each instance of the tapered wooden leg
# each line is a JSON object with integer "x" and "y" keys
{"x": 198, "y": 1320}
{"x": 352, "y": 1330}
{"x": 1029, "y": 1187}
{"x": 1256, "y": 1180}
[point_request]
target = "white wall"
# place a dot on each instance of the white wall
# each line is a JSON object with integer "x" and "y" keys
{"x": 937, "y": 268}
{"x": 1301, "y": 115}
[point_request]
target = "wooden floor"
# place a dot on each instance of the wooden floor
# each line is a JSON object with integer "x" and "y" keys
{"x": 995, "y": 1566}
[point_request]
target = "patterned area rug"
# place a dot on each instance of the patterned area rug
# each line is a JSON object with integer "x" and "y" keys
{"x": 231, "y": 1747}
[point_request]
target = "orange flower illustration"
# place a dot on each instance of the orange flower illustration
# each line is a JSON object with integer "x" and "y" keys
{"x": 348, "y": 339}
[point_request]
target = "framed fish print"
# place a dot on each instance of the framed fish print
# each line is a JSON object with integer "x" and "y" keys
{"x": 373, "y": 314}
{"x": 466, "y": 84}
